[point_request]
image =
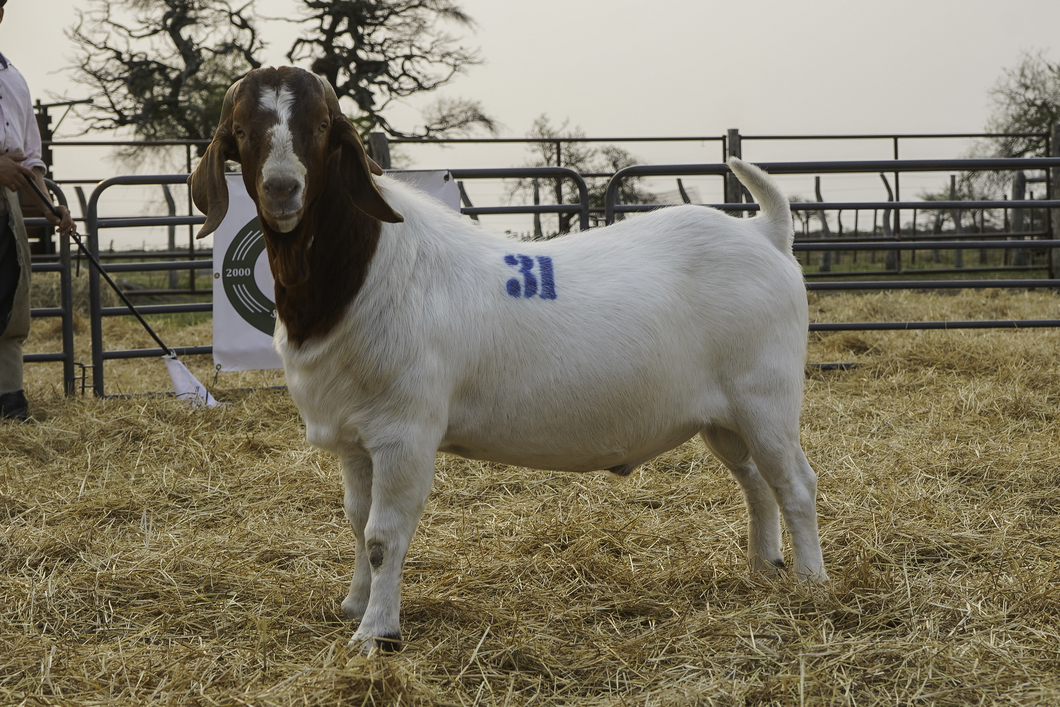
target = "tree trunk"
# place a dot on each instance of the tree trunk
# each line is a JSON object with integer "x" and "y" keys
{"x": 1019, "y": 193}
{"x": 826, "y": 233}
{"x": 893, "y": 256}
{"x": 538, "y": 234}
{"x": 958, "y": 255}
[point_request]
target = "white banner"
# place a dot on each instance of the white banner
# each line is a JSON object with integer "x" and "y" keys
{"x": 244, "y": 312}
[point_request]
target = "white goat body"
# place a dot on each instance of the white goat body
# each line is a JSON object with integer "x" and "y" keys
{"x": 658, "y": 325}
{"x": 677, "y": 322}
{"x": 597, "y": 350}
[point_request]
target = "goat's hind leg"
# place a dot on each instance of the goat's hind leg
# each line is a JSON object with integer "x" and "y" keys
{"x": 763, "y": 514}
{"x": 782, "y": 464}
{"x": 357, "y": 501}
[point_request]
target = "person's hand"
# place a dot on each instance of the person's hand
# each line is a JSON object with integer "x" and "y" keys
{"x": 65, "y": 222}
{"x": 12, "y": 173}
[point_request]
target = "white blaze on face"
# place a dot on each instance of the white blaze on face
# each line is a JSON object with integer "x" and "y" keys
{"x": 282, "y": 165}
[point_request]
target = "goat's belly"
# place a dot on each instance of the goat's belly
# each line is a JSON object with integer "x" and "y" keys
{"x": 583, "y": 418}
{"x": 584, "y": 440}
{"x": 547, "y": 454}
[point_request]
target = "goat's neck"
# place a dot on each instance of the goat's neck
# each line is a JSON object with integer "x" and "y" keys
{"x": 320, "y": 267}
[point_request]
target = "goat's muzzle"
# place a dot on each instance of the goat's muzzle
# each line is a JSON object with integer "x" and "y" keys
{"x": 282, "y": 202}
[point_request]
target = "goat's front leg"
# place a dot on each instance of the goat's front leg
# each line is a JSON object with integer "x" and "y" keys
{"x": 357, "y": 482}
{"x": 401, "y": 482}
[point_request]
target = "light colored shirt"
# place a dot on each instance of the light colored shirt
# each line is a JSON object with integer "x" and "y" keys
{"x": 19, "y": 134}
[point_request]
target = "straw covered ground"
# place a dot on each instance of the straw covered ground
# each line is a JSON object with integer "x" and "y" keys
{"x": 153, "y": 553}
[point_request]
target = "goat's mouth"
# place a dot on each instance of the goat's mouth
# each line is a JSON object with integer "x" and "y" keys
{"x": 282, "y": 221}
{"x": 282, "y": 202}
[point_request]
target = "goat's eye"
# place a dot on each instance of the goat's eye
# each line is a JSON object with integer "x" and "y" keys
{"x": 324, "y": 126}
{"x": 239, "y": 132}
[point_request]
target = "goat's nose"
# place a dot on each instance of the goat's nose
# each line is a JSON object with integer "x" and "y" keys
{"x": 281, "y": 188}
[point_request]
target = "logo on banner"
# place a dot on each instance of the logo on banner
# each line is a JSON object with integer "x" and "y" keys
{"x": 239, "y": 275}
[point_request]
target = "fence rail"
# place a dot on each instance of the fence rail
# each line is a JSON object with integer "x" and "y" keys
{"x": 1046, "y": 239}
{"x": 612, "y": 207}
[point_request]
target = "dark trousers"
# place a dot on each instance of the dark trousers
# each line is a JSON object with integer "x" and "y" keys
{"x": 10, "y": 271}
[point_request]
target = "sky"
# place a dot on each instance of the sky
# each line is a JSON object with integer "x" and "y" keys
{"x": 675, "y": 68}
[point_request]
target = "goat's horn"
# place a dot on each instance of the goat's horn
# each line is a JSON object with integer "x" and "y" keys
{"x": 329, "y": 94}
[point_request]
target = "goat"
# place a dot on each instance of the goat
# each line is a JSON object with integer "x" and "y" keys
{"x": 406, "y": 330}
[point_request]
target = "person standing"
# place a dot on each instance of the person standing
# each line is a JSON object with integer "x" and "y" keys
{"x": 20, "y": 159}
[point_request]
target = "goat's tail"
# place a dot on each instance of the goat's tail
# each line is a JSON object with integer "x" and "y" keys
{"x": 776, "y": 211}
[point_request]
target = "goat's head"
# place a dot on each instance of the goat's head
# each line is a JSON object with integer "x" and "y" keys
{"x": 284, "y": 127}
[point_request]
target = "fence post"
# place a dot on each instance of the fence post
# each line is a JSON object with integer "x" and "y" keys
{"x": 733, "y": 193}
{"x": 1054, "y": 189}
{"x": 681, "y": 189}
{"x": 538, "y": 233}
{"x": 465, "y": 199}
{"x": 564, "y": 222}
{"x": 95, "y": 304}
{"x": 379, "y": 149}
{"x": 66, "y": 297}
{"x": 171, "y": 204}
{"x": 66, "y": 294}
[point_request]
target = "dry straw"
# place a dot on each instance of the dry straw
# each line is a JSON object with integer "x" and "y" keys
{"x": 153, "y": 553}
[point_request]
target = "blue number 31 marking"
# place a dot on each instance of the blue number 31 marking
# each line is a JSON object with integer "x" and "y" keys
{"x": 542, "y": 284}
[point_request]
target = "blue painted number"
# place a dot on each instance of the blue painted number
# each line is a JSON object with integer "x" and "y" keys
{"x": 542, "y": 284}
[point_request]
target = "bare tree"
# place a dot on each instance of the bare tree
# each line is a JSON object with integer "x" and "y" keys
{"x": 825, "y": 263}
{"x": 974, "y": 186}
{"x": 561, "y": 146}
{"x": 161, "y": 67}
{"x": 380, "y": 51}
{"x": 1026, "y": 99}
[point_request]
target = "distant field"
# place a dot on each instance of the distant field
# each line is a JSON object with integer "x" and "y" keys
{"x": 151, "y": 552}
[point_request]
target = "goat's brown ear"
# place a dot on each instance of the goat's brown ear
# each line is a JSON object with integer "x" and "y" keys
{"x": 209, "y": 190}
{"x": 356, "y": 168}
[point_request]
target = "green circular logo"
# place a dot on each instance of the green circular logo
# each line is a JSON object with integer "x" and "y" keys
{"x": 240, "y": 285}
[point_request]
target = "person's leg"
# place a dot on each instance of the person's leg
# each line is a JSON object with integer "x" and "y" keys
{"x": 14, "y": 319}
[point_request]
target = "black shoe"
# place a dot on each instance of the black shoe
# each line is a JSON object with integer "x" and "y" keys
{"x": 14, "y": 406}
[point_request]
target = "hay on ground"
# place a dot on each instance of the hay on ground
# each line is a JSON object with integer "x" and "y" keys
{"x": 151, "y": 552}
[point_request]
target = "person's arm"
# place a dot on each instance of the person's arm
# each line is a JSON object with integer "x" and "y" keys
{"x": 64, "y": 222}
{"x": 26, "y": 163}
{"x": 13, "y": 176}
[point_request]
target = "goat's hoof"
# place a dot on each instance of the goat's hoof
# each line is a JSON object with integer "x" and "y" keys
{"x": 817, "y": 579}
{"x": 768, "y": 569}
{"x": 376, "y": 644}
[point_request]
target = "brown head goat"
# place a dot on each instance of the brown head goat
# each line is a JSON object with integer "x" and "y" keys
{"x": 297, "y": 149}
{"x": 402, "y": 336}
